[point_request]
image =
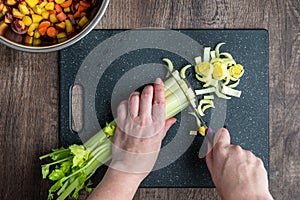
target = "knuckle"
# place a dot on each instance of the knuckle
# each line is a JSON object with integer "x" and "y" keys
{"x": 259, "y": 162}
{"x": 249, "y": 153}
{"x": 145, "y": 95}
{"x": 159, "y": 88}
{"x": 238, "y": 149}
{"x": 143, "y": 122}
{"x": 159, "y": 102}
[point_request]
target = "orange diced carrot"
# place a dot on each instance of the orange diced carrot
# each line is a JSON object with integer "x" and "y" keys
{"x": 61, "y": 16}
{"x": 85, "y": 4}
{"x": 82, "y": 8}
{"x": 51, "y": 32}
{"x": 51, "y": 12}
{"x": 44, "y": 24}
{"x": 58, "y": 8}
{"x": 43, "y": 30}
{"x": 77, "y": 14}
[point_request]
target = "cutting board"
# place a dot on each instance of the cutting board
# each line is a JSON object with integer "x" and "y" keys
{"x": 109, "y": 64}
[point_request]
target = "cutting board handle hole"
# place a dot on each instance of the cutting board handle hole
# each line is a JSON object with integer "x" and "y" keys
{"x": 76, "y": 108}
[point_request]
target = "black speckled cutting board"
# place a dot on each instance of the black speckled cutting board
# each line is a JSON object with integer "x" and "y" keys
{"x": 103, "y": 58}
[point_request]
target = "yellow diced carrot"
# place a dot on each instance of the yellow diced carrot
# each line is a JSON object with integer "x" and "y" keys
{"x": 36, "y": 42}
{"x": 68, "y": 9}
{"x": 36, "y": 24}
{"x": 37, "y": 34}
{"x": 60, "y": 1}
{"x": 45, "y": 14}
{"x": 32, "y": 3}
{"x": 23, "y": 9}
{"x": 53, "y": 18}
{"x": 50, "y": 6}
{"x": 31, "y": 28}
{"x": 28, "y": 40}
{"x": 61, "y": 35}
{"x": 27, "y": 20}
{"x": 36, "y": 18}
{"x": 37, "y": 9}
{"x": 42, "y": 5}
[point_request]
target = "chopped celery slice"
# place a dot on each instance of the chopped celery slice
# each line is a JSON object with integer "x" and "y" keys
{"x": 193, "y": 132}
{"x": 230, "y": 91}
{"x": 182, "y": 71}
{"x": 198, "y": 77}
{"x": 208, "y": 97}
{"x": 206, "y": 54}
{"x": 170, "y": 65}
{"x": 205, "y": 91}
{"x": 198, "y": 60}
{"x": 206, "y": 101}
{"x": 213, "y": 54}
{"x": 217, "y": 49}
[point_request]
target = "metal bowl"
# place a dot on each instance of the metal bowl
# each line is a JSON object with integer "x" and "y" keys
{"x": 16, "y": 41}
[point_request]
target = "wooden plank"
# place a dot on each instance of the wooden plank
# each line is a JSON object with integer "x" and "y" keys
{"x": 28, "y": 121}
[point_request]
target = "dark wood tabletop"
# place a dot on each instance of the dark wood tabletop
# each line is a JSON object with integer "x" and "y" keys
{"x": 29, "y": 97}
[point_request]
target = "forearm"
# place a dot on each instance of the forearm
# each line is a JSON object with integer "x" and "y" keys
{"x": 117, "y": 185}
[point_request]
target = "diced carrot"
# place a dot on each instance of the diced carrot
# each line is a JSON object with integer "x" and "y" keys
{"x": 82, "y": 8}
{"x": 51, "y": 32}
{"x": 66, "y": 3}
{"x": 70, "y": 15}
{"x": 61, "y": 16}
{"x": 44, "y": 24}
{"x": 82, "y": 14}
{"x": 58, "y": 8}
{"x": 77, "y": 14}
{"x": 52, "y": 12}
{"x": 51, "y": 0}
{"x": 85, "y": 4}
{"x": 43, "y": 30}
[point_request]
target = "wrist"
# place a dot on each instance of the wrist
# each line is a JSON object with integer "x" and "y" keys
{"x": 133, "y": 178}
{"x": 247, "y": 196}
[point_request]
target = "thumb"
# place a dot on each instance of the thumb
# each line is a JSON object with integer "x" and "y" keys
{"x": 168, "y": 124}
{"x": 222, "y": 136}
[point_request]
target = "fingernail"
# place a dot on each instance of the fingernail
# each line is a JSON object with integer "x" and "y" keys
{"x": 223, "y": 130}
{"x": 218, "y": 134}
{"x": 210, "y": 134}
{"x": 158, "y": 81}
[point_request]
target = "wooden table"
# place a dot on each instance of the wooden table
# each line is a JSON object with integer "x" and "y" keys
{"x": 29, "y": 95}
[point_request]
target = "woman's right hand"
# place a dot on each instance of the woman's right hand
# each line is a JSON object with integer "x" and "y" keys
{"x": 237, "y": 173}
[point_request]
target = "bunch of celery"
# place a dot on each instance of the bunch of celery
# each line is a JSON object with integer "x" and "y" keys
{"x": 70, "y": 168}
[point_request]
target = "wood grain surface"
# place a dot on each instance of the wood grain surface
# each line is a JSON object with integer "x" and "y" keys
{"x": 29, "y": 91}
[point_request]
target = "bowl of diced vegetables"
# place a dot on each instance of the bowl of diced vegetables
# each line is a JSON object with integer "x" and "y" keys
{"x": 47, "y": 25}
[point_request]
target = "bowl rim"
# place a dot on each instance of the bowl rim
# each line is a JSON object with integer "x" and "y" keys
{"x": 62, "y": 45}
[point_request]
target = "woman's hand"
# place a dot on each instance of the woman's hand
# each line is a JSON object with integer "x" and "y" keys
{"x": 237, "y": 173}
{"x": 141, "y": 127}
